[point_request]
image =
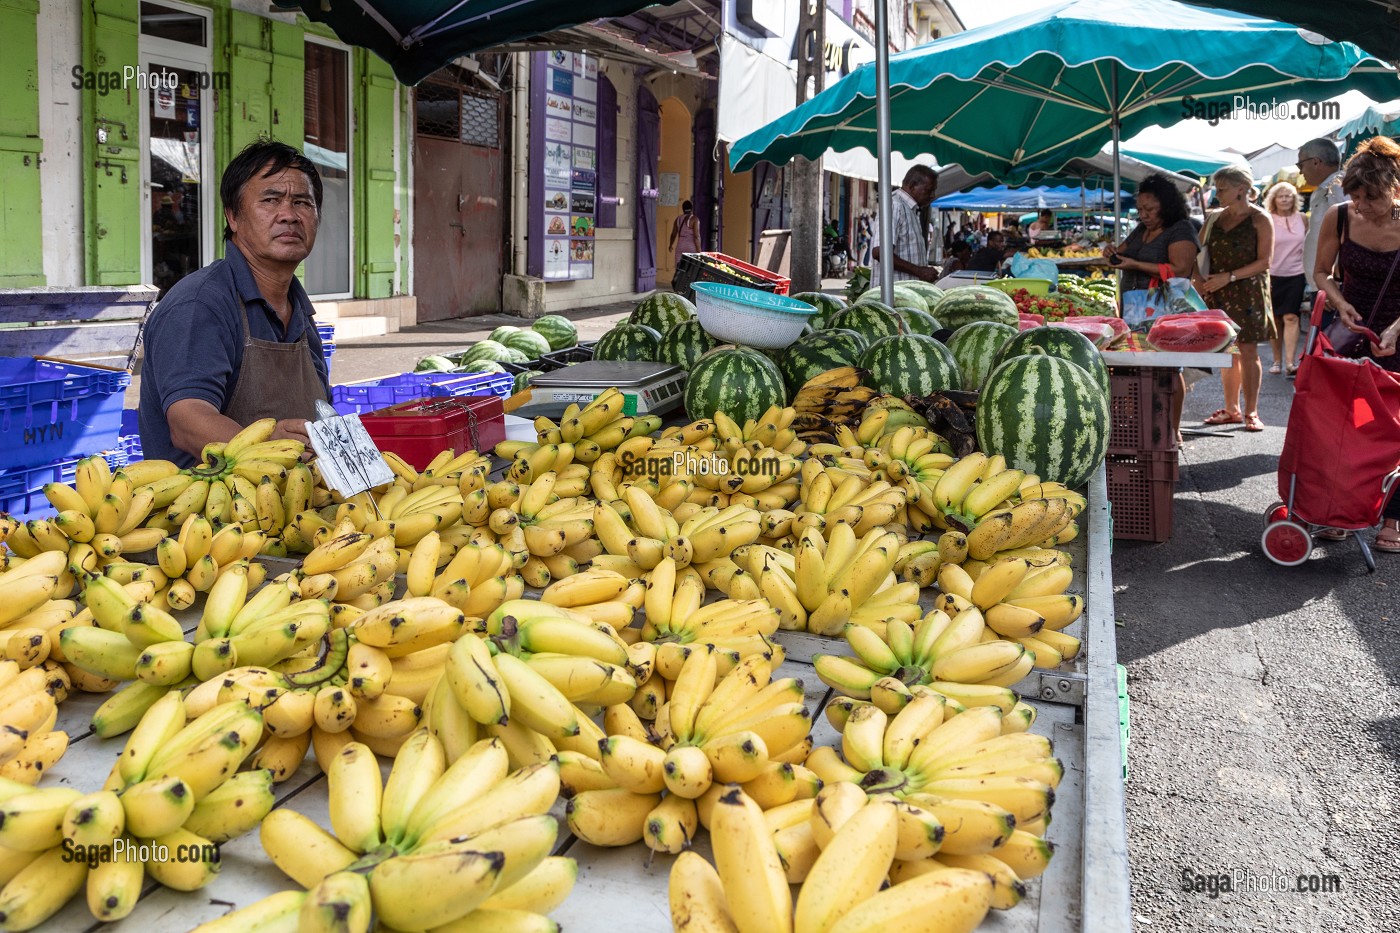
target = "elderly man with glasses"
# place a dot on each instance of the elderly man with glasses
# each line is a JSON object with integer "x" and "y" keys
{"x": 1320, "y": 162}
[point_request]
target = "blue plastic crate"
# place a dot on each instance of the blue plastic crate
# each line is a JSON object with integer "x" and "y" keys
{"x": 53, "y": 410}
{"x": 22, "y": 488}
{"x": 130, "y": 444}
{"x": 374, "y": 394}
{"x": 116, "y": 457}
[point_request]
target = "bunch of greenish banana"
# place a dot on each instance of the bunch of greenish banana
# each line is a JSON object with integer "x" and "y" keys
{"x": 440, "y": 843}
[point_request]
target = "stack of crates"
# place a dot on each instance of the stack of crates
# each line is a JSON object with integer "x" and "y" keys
{"x": 1142, "y": 463}
{"x": 52, "y": 414}
{"x": 327, "y": 335}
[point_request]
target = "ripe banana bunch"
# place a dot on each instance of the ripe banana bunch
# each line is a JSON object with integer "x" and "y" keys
{"x": 677, "y": 619}
{"x": 841, "y": 581}
{"x": 597, "y": 427}
{"x": 351, "y": 567}
{"x": 916, "y": 459}
{"x": 438, "y": 843}
{"x": 772, "y": 429}
{"x": 706, "y": 535}
{"x": 601, "y": 595}
{"x": 195, "y": 558}
{"x": 836, "y": 395}
{"x": 31, "y": 606}
{"x": 545, "y": 654}
{"x": 919, "y": 560}
{"x": 544, "y": 526}
{"x": 841, "y": 496}
{"x": 527, "y": 464}
{"x": 1044, "y": 518}
{"x": 29, "y": 699}
{"x": 467, "y": 471}
{"x": 1021, "y": 603}
{"x": 406, "y": 516}
{"x": 99, "y": 518}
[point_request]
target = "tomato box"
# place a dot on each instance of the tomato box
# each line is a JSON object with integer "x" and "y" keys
{"x": 421, "y": 429}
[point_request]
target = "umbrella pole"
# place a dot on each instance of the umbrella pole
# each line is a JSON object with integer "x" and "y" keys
{"x": 882, "y": 111}
{"x": 1117, "y": 179}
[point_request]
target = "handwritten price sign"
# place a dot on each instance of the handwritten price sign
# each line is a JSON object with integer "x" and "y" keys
{"x": 348, "y": 459}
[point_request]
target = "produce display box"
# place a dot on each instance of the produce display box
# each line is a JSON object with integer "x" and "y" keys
{"x": 581, "y": 353}
{"x": 1140, "y": 409}
{"x": 420, "y": 429}
{"x": 701, "y": 267}
{"x": 22, "y": 488}
{"x": 1142, "y": 487}
{"x": 357, "y": 398}
{"x": 52, "y": 409}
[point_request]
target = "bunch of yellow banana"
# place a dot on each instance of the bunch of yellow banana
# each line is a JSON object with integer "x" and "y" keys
{"x": 405, "y": 517}
{"x": 826, "y": 585}
{"x": 439, "y": 843}
{"x": 772, "y": 430}
{"x": 677, "y": 619}
{"x": 193, "y": 560}
{"x": 1043, "y": 516}
{"x": 707, "y": 534}
{"x": 31, "y": 609}
{"x": 29, "y": 699}
{"x": 528, "y": 463}
{"x": 350, "y": 567}
{"x": 837, "y": 495}
{"x": 477, "y": 578}
{"x": 598, "y": 427}
{"x": 886, "y": 415}
{"x": 920, "y": 559}
{"x": 601, "y": 595}
{"x": 543, "y": 525}
{"x": 1021, "y": 603}
{"x": 468, "y": 471}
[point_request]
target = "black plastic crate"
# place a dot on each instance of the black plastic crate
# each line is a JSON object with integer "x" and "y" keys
{"x": 694, "y": 268}
{"x": 581, "y": 353}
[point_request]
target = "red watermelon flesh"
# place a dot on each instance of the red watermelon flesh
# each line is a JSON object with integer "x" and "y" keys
{"x": 1192, "y": 333}
{"x": 1100, "y": 334}
{"x": 1120, "y": 329}
{"x": 1031, "y": 320}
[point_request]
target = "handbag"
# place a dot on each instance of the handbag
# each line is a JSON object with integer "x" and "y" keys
{"x": 1164, "y": 295}
{"x": 1346, "y": 342}
{"x": 1203, "y": 254}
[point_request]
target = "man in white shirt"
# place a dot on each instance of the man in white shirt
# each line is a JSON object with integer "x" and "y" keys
{"x": 910, "y": 239}
{"x": 1320, "y": 163}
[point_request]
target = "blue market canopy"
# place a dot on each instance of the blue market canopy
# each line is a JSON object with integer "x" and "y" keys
{"x": 1039, "y": 89}
{"x": 1002, "y": 198}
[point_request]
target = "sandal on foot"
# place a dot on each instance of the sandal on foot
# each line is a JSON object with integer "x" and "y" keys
{"x": 1275, "y": 370}
{"x": 1252, "y": 422}
{"x": 1387, "y": 540}
{"x": 1332, "y": 534}
{"x": 1292, "y": 371}
{"x": 1224, "y": 417}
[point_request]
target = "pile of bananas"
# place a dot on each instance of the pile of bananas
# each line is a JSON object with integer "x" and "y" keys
{"x": 241, "y": 481}
{"x": 464, "y": 843}
{"x": 30, "y": 607}
{"x": 595, "y": 428}
{"x": 706, "y": 535}
{"x": 29, "y": 698}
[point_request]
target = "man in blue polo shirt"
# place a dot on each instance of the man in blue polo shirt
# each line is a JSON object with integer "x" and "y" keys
{"x": 235, "y": 342}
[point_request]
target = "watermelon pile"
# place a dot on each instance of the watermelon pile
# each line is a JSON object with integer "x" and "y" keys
{"x": 508, "y": 344}
{"x": 739, "y": 381}
{"x": 968, "y": 303}
{"x": 975, "y": 347}
{"x": 629, "y": 341}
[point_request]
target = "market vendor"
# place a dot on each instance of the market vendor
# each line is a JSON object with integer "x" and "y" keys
{"x": 236, "y": 342}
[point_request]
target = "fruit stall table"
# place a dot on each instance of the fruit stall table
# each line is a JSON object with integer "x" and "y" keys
{"x": 1084, "y": 889}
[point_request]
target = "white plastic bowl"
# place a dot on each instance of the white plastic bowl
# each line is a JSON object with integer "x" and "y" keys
{"x": 749, "y": 316}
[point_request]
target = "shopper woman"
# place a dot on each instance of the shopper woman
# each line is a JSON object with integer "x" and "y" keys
{"x": 685, "y": 235}
{"x": 1240, "y": 241}
{"x": 1363, "y": 240}
{"x": 1043, "y": 227}
{"x": 1286, "y": 279}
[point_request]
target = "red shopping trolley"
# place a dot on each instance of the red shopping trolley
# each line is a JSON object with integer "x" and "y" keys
{"x": 1341, "y": 452}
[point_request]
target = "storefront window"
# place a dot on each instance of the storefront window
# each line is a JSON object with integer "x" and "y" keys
{"x": 328, "y": 145}
{"x": 162, "y": 22}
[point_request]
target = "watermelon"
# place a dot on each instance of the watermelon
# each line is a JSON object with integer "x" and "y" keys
{"x": 434, "y": 364}
{"x": 969, "y": 303}
{"x": 523, "y": 380}
{"x": 1045, "y": 415}
{"x": 499, "y": 334}
{"x": 486, "y": 350}
{"x": 910, "y": 364}
{"x": 662, "y": 310}
{"x": 828, "y": 306}
{"x": 739, "y": 381}
{"x": 871, "y": 321}
{"x": 1191, "y": 333}
{"x": 685, "y": 343}
{"x": 917, "y": 322}
{"x": 558, "y": 330}
{"x": 929, "y": 292}
{"x": 975, "y": 348}
{"x": 816, "y": 353}
{"x": 629, "y": 342}
{"x": 481, "y": 366}
{"x": 902, "y": 296}
{"x": 531, "y": 343}
{"x": 1062, "y": 342}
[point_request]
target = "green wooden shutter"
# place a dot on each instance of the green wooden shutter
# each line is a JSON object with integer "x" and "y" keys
{"x": 375, "y": 177}
{"x": 112, "y": 169}
{"x": 288, "y": 84}
{"x": 21, "y": 218}
{"x": 249, "y": 107}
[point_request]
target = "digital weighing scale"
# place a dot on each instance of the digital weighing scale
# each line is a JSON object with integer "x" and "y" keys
{"x": 648, "y": 388}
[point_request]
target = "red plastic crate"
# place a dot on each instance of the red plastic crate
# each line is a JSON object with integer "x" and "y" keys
{"x": 420, "y": 430}
{"x": 694, "y": 268}
{"x": 1142, "y": 488}
{"x": 1140, "y": 409}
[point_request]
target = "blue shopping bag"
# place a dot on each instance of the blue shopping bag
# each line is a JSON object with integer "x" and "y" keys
{"x": 1164, "y": 295}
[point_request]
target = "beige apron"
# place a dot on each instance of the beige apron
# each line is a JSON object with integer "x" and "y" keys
{"x": 277, "y": 380}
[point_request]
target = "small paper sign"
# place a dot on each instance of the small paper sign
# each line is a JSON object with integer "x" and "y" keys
{"x": 346, "y": 455}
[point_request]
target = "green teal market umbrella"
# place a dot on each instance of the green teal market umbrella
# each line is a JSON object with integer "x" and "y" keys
{"x": 1371, "y": 24}
{"x": 1039, "y": 89}
{"x": 417, "y": 37}
{"x": 1184, "y": 160}
{"x": 1371, "y": 122}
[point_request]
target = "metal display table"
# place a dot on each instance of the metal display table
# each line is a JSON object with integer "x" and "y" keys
{"x": 1085, "y": 889}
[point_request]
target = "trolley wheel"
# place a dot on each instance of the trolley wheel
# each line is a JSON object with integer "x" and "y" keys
{"x": 1276, "y": 513}
{"x": 1286, "y": 543}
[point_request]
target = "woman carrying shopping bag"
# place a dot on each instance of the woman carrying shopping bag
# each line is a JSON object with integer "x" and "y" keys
{"x": 1240, "y": 246}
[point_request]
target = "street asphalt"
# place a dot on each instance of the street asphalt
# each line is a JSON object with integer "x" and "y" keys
{"x": 1265, "y": 715}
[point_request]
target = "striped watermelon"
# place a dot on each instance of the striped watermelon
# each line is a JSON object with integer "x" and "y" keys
{"x": 817, "y": 353}
{"x": 499, "y": 334}
{"x": 487, "y": 350}
{"x": 481, "y": 366}
{"x": 969, "y": 303}
{"x": 661, "y": 311}
{"x": 685, "y": 343}
{"x": 828, "y": 306}
{"x": 917, "y": 322}
{"x": 975, "y": 348}
{"x": 523, "y": 380}
{"x": 929, "y": 292}
{"x": 628, "y": 342}
{"x": 1045, "y": 415}
{"x": 531, "y": 343}
{"x": 910, "y": 364}
{"x": 739, "y": 381}
{"x": 901, "y": 294}
{"x": 1062, "y": 342}
{"x": 871, "y": 321}
{"x": 558, "y": 330}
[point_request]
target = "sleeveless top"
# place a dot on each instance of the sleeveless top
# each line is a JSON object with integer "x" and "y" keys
{"x": 1289, "y": 234}
{"x": 1246, "y": 300}
{"x": 688, "y": 234}
{"x": 1363, "y": 273}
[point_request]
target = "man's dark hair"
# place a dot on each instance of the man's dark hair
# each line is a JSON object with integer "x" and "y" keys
{"x": 960, "y": 247}
{"x": 257, "y": 154}
{"x": 919, "y": 173}
{"x": 1174, "y": 206}
{"x": 997, "y": 234}
{"x": 687, "y": 207}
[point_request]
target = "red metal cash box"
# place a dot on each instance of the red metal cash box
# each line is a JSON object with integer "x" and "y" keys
{"x": 420, "y": 430}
